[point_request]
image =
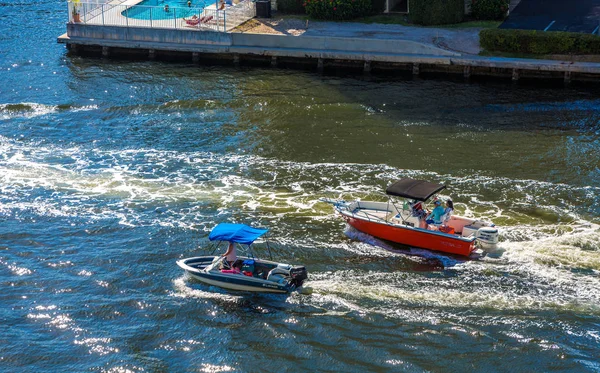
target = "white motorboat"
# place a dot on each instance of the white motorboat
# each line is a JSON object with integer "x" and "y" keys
{"x": 405, "y": 224}
{"x": 256, "y": 275}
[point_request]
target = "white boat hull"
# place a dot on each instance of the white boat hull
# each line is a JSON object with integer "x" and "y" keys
{"x": 198, "y": 268}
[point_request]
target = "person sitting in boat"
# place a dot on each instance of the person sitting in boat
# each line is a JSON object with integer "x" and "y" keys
{"x": 435, "y": 217}
{"x": 448, "y": 211}
{"x": 418, "y": 212}
{"x": 231, "y": 254}
{"x": 236, "y": 268}
{"x": 417, "y": 209}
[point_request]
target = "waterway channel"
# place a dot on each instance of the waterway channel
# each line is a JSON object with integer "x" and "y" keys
{"x": 110, "y": 171}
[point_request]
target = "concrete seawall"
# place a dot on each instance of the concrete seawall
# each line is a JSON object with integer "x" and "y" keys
{"x": 370, "y": 54}
{"x": 189, "y": 40}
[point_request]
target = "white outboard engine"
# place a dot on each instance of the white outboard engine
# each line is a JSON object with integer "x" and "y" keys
{"x": 487, "y": 238}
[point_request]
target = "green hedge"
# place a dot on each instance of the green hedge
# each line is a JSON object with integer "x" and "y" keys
{"x": 539, "y": 42}
{"x": 290, "y": 6}
{"x": 437, "y": 12}
{"x": 378, "y": 6}
{"x": 337, "y": 10}
{"x": 489, "y": 9}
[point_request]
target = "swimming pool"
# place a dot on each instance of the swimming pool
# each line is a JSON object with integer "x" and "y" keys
{"x": 157, "y": 10}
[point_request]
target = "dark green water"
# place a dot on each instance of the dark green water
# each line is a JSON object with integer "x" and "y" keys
{"x": 110, "y": 171}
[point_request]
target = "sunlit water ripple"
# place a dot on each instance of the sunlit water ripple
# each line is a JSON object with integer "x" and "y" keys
{"x": 110, "y": 171}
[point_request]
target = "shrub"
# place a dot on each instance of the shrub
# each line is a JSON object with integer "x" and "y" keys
{"x": 290, "y": 6}
{"x": 539, "y": 42}
{"x": 437, "y": 12}
{"x": 378, "y": 6}
{"x": 337, "y": 10}
{"x": 489, "y": 9}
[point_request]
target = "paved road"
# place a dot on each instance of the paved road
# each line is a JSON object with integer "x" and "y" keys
{"x": 555, "y": 15}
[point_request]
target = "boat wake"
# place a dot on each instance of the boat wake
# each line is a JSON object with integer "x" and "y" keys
{"x": 550, "y": 258}
{"x": 31, "y": 109}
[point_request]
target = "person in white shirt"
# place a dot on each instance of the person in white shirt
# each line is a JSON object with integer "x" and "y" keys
{"x": 448, "y": 211}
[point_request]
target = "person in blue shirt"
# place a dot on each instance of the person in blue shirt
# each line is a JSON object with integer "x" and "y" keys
{"x": 435, "y": 217}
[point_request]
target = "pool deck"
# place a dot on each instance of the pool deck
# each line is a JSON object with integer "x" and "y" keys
{"x": 367, "y": 48}
{"x": 111, "y": 14}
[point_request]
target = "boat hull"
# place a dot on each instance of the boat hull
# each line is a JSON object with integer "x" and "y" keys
{"x": 194, "y": 267}
{"x": 415, "y": 237}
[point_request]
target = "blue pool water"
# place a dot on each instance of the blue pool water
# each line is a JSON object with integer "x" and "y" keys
{"x": 155, "y": 9}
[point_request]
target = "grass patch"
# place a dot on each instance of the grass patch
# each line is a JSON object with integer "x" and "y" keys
{"x": 473, "y": 24}
{"x": 302, "y": 17}
{"x": 541, "y": 43}
{"x": 385, "y": 19}
{"x": 557, "y": 57}
{"x": 486, "y": 53}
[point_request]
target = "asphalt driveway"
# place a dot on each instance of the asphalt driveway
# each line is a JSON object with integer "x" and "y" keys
{"x": 555, "y": 15}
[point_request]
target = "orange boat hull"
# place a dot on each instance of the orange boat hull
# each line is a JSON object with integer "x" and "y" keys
{"x": 413, "y": 237}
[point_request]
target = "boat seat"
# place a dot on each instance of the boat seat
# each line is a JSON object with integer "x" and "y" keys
{"x": 469, "y": 230}
{"x": 276, "y": 278}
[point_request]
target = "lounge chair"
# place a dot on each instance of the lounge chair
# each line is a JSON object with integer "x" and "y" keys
{"x": 194, "y": 21}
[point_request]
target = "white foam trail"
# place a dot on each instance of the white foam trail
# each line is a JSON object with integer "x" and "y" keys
{"x": 25, "y": 110}
{"x": 32, "y": 109}
{"x": 184, "y": 290}
{"x": 399, "y": 289}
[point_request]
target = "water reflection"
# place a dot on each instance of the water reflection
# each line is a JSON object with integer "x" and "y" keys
{"x": 110, "y": 171}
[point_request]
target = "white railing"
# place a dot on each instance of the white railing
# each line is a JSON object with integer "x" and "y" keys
{"x": 114, "y": 13}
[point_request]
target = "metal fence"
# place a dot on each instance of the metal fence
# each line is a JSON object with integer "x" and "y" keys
{"x": 198, "y": 17}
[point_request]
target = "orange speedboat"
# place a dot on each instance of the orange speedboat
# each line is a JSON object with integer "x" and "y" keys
{"x": 406, "y": 224}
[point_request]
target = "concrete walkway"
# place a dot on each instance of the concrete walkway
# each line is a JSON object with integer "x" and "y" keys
{"x": 464, "y": 41}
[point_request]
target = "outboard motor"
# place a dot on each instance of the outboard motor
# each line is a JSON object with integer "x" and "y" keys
{"x": 298, "y": 275}
{"x": 285, "y": 272}
{"x": 279, "y": 273}
{"x": 487, "y": 238}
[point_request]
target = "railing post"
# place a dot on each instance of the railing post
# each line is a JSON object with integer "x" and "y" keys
{"x": 175, "y": 17}
{"x": 151, "y": 9}
{"x": 126, "y": 16}
{"x": 102, "y": 10}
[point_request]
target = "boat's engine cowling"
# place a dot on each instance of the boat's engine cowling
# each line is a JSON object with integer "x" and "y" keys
{"x": 298, "y": 275}
{"x": 279, "y": 273}
{"x": 487, "y": 237}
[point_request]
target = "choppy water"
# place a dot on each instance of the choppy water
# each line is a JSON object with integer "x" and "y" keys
{"x": 110, "y": 171}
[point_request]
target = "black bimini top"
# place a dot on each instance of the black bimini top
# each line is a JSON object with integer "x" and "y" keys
{"x": 420, "y": 190}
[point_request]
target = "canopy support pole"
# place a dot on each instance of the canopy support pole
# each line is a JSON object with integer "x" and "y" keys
{"x": 269, "y": 248}
{"x": 215, "y": 249}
